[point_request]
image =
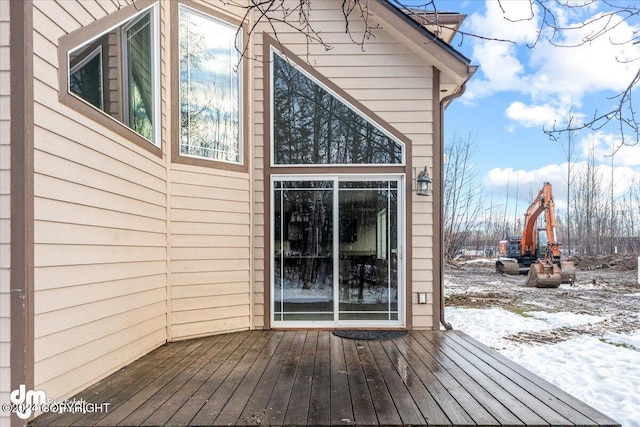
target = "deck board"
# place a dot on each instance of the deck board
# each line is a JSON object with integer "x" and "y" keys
{"x": 320, "y": 403}
{"x": 439, "y": 378}
{"x": 458, "y": 392}
{"x": 235, "y": 405}
{"x": 341, "y": 409}
{"x": 363, "y": 410}
{"x": 556, "y": 399}
{"x": 298, "y": 407}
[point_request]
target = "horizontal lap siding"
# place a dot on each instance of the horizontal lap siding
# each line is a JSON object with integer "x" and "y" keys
{"x": 210, "y": 251}
{"x": 388, "y": 79}
{"x": 5, "y": 213}
{"x": 100, "y": 229}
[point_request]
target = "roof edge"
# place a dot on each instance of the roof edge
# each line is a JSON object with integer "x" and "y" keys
{"x": 428, "y": 34}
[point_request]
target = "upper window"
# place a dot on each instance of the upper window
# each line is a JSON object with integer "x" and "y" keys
{"x": 313, "y": 126}
{"x": 210, "y": 88}
{"x": 117, "y": 72}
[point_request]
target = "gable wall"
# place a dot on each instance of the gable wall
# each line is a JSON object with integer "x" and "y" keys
{"x": 132, "y": 249}
{"x": 389, "y": 80}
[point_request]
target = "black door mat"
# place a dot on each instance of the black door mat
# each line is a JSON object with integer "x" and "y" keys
{"x": 369, "y": 335}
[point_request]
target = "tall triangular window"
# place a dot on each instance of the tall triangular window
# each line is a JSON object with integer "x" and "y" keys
{"x": 314, "y": 126}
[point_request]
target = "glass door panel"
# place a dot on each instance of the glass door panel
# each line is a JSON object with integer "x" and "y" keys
{"x": 303, "y": 251}
{"x": 368, "y": 250}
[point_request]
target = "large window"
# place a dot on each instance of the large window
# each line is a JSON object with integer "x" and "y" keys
{"x": 117, "y": 73}
{"x": 210, "y": 94}
{"x": 313, "y": 126}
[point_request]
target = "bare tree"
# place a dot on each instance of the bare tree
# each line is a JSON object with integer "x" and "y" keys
{"x": 590, "y": 211}
{"x": 569, "y": 141}
{"x": 462, "y": 195}
{"x": 621, "y": 112}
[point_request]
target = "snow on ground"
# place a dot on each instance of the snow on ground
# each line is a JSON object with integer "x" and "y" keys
{"x": 602, "y": 371}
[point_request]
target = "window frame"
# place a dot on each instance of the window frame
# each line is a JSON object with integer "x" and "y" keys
{"x": 403, "y": 241}
{"x": 91, "y": 33}
{"x": 243, "y": 90}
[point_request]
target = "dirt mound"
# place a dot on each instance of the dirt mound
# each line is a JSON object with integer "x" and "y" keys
{"x": 618, "y": 262}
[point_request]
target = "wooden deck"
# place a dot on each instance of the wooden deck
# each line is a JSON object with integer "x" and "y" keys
{"x": 314, "y": 377}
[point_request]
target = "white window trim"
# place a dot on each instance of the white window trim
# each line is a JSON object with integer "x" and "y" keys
{"x": 238, "y": 42}
{"x": 273, "y": 51}
{"x": 402, "y": 243}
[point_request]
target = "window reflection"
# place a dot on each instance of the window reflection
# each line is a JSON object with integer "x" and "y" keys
{"x": 85, "y": 78}
{"x": 209, "y": 88}
{"x": 139, "y": 76}
{"x": 313, "y": 126}
{"x": 116, "y": 73}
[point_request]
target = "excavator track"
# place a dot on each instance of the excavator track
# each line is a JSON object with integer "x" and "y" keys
{"x": 508, "y": 267}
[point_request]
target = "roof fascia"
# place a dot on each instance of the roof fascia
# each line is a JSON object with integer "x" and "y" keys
{"x": 448, "y": 59}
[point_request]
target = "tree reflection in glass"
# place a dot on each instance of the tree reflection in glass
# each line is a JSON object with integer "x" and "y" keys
{"x": 209, "y": 88}
{"x": 312, "y": 126}
{"x": 303, "y": 250}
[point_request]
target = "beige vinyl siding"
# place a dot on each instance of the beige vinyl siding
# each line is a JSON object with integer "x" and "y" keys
{"x": 388, "y": 79}
{"x": 100, "y": 229}
{"x": 210, "y": 251}
{"x": 5, "y": 213}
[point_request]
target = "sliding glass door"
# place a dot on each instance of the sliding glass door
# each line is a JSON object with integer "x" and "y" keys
{"x": 336, "y": 245}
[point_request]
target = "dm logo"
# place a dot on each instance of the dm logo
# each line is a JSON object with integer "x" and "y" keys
{"x": 26, "y": 401}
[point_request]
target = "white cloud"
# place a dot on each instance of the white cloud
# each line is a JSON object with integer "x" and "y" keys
{"x": 516, "y": 21}
{"x": 508, "y": 183}
{"x": 550, "y": 114}
{"x": 534, "y": 115}
{"x": 601, "y": 64}
{"x": 501, "y": 70}
{"x": 602, "y": 145}
{"x": 554, "y": 79}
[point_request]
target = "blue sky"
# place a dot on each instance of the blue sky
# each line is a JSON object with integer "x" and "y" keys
{"x": 518, "y": 90}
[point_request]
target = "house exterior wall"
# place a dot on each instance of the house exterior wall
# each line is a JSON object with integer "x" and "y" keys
{"x": 100, "y": 228}
{"x": 133, "y": 248}
{"x": 211, "y": 242}
{"x": 5, "y": 212}
{"x": 210, "y": 251}
{"x": 391, "y": 81}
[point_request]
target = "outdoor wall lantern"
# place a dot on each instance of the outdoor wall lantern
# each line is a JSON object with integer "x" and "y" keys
{"x": 423, "y": 183}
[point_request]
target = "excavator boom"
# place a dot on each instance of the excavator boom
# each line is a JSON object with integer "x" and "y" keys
{"x": 542, "y": 203}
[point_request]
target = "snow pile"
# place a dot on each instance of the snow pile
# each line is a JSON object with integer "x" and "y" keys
{"x": 603, "y": 372}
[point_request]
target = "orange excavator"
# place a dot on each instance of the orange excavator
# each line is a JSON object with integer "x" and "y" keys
{"x": 537, "y": 252}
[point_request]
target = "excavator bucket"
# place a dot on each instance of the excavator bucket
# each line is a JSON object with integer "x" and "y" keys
{"x": 544, "y": 274}
{"x": 568, "y": 272}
